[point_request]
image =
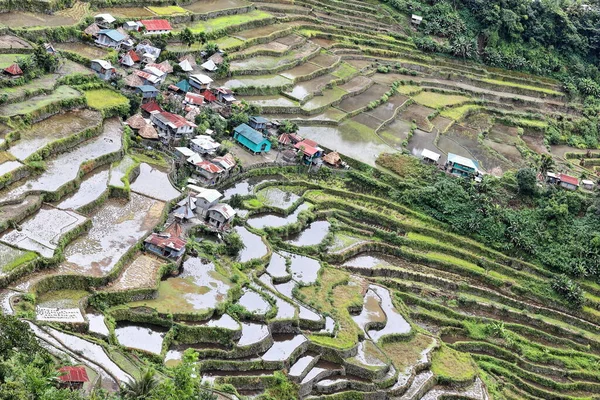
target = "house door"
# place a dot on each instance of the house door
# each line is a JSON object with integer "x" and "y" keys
{"x": 263, "y": 147}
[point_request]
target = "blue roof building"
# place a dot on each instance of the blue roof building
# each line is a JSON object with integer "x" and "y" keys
{"x": 110, "y": 38}
{"x": 461, "y": 166}
{"x": 251, "y": 139}
{"x": 258, "y": 123}
{"x": 184, "y": 85}
{"x": 147, "y": 91}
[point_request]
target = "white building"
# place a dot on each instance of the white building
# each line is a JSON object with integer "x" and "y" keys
{"x": 203, "y": 144}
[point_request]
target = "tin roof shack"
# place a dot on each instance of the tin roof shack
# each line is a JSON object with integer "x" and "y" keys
{"x": 310, "y": 150}
{"x": 430, "y": 157}
{"x": 587, "y": 184}
{"x": 208, "y": 172}
{"x": 461, "y": 166}
{"x": 568, "y": 182}
{"x": 72, "y": 377}
{"x": 227, "y": 162}
{"x": 416, "y": 19}
{"x": 130, "y": 59}
{"x": 110, "y": 38}
{"x": 225, "y": 95}
{"x": 258, "y": 123}
{"x": 103, "y": 69}
{"x": 169, "y": 244}
{"x": 150, "y": 107}
{"x": 220, "y": 216}
{"x": 104, "y": 20}
{"x": 251, "y": 139}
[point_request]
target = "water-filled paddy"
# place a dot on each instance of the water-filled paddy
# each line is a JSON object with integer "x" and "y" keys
{"x": 272, "y": 220}
{"x": 65, "y": 167}
{"x": 199, "y": 287}
{"x": 283, "y": 347}
{"x": 153, "y": 182}
{"x": 254, "y": 246}
{"x": 204, "y": 6}
{"x": 396, "y": 324}
{"x": 116, "y": 227}
{"x": 254, "y": 303}
{"x": 312, "y": 235}
{"x": 246, "y": 186}
{"x": 253, "y": 333}
{"x": 277, "y": 197}
{"x": 91, "y": 188}
{"x": 54, "y": 128}
{"x": 147, "y": 338}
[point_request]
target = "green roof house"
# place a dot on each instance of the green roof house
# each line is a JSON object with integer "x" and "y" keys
{"x": 461, "y": 166}
{"x": 251, "y": 139}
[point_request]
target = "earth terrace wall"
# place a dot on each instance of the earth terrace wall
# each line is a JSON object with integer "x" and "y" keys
{"x": 44, "y": 112}
{"x": 276, "y": 70}
{"x": 41, "y": 6}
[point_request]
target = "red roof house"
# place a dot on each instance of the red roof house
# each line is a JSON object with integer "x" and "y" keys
{"x": 309, "y": 147}
{"x": 151, "y": 106}
{"x": 169, "y": 243}
{"x": 209, "y": 96}
{"x": 156, "y": 26}
{"x": 73, "y": 377}
{"x": 193, "y": 99}
{"x": 568, "y": 182}
{"x": 13, "y": 70}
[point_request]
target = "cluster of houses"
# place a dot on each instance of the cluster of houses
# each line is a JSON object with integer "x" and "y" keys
{"x": 201, "y": 206}
{"x": 568, "y": 182}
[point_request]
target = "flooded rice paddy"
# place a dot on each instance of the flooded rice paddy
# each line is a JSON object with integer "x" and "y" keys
{"x": 119, "y": 170}
{"x": 142, "y": 272}
{"x": 254, "y": 245}
{"x": 65, "y": 167}
{"x": 147, "y": 338}
{"x": 42, "y": 231}
{"x": 97, "y": 324}
{"x": 54, "y": 128}
{"x": 371, "y": 311}
{"x": 9, "y": 255}
{"x": 116, "y": 227}
{"x": 276, "y": 197}
{"x": 312, "y": 235}
{"x": 153, "y": 182}
{"x": 246, "y": 186}
{"x": 253, "y": 333}
{"x": 199, "y": 287}
{"x": 277, "y": 266}
{"x": 396, "y": 324}
{"x": 254, "y": 303}
{"x": 92, "y": 187}
{"x": 283, "y": 347}
{"x": 9, "y": 166}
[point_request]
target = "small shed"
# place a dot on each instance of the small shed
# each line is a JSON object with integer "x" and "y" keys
{"x": 131, "y": 26}
{"x": 136, "y": 122}
{"x": 13, "y": 70}
{"x": 310, "y": 150}
{"x": 104, "y": 20}
{"x": 332, "y": 159}
{"x": 461, "y": 166}
{"x": 186, "y": 66}
{"x": 200, "y": 81}
{"x": 147, "y": 91}
{"x": 587, "y": 184}
{"x": 251, "y": 139}
{"x": 430, "y": 157}
{"x": 73, "y": 377}
{"x": 568, "y": 182}
{"x": 258, "y": 123}
{"x": 130, "y": 59}
{"x": 210, "y": 66}
{"x": 416, "y": 19}
{"x": 148, "y": 132}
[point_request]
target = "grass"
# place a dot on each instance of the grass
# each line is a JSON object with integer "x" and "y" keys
{"x": 409, "y": 89}
{"x": 6, "y": 156}
{"x": 332, "y": 295}
{"x": 343, "y": 241}
{"x": 124, "y": 363}
{"x": 168, "y": 10}
{"x": 521, "y": 86}
{"x": 9, "y": 59}
{"x": 102, "y": 99}
{"x": 438, "y": 100}
{"x": 344, "y": 71}
{"x": 456, "y": 113}
{"x": 219, "y": 23}
{"x": 531, "y": 123}
{"x": 35, "y": 103}
{"x": 449, "y": 365}
{"x": 227, "y": 42}
{"x": 407, "y": 353}
{"x": 71, "y": 297}
{"x": 20, "y": 259}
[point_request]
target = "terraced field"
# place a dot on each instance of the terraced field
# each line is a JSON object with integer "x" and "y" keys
{"x": 340, "y": 291}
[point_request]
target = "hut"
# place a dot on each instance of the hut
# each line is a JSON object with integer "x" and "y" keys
{"x": 13, "y": 70}
{"x": 332, "y": 159}
{"x": 73, "y": 377}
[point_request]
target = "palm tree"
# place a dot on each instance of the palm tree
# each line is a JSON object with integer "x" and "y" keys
{"x": 140, "y": 388}
{"x": 546, "y": 164}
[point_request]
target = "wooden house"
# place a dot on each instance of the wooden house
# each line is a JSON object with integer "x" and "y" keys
{"x": 252, "y": 139}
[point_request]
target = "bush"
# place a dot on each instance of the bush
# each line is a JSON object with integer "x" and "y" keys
{"x": 569, "y": 290}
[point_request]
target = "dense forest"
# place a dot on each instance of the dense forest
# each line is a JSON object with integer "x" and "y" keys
{"x": 546, "y": 37}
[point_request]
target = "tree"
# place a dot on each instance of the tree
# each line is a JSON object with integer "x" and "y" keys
{"x": 187, "y": 37}
{"x": 526, "y": 179}
{"x": 140, "y": 388}
{"x": 288, "y": 126}
{"x": 545, "y": 164}
{"x": 211, "y": 48}
{"x": 44, "y": 60}
{"x": 569, "y": 290}
{"x": 462, "y": 46}
{"x": 233, "y": 244}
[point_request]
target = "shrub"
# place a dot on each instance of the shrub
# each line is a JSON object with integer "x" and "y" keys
{"x": 569, "y": 290}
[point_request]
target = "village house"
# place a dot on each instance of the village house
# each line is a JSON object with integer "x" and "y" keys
{"x": 310, "y": 150}
{"x": 150, "y": 107}
{"x": 258, "y": 123}
{"x": 430, "y": 157}
{"x": 186, "y": 66}
{"x": 169, "y": 244}
{"x": 103, "y": 69}
{"x": 159, "y": 73}
{"x": 72, "y": 377}
{"x": 193, "y": 99}
{"x": 156, "y": 26}
{"x": 200, "y": 81}
{"x": 147, "y": 91}
{"x": 587, "y": 184}
{"x": 110, "y": 38}
{"x": 225, "y": 95}
{"x": 568, "y": 182}
{"x": 185, "y": 209}
{"x": 171, "y": 126}
{"x": 104, "y": 20}
{"x": 148, "y": 78}
{"x": 183, "y": 153}
{"x": 164, "y": 66}
{"x": 220, "y": 215}
{"x": 461, "y": 166}
{"x": 147, "y": 52}
{"x": 130, "y": 59}
{"x": 136, "y": 122}
{"x": 203, "y": 144}
{"x": 92, "y": 30}
{"x": 209, "y": 97}
{"x": 217, "y": 58}
{"x": 132, "y": 81}
{"x": 227, "y": 162}
{"x": 13, "y": 70}
{"x": 208, "y": 172}
{"x": 148, "y": 133}
{"x": 289, "y": 139}
{"x": 131, "y": 26}
{"x": 252, "y": 139}
{"x": 209, "y": 66}
{"x": 205, "y": 198}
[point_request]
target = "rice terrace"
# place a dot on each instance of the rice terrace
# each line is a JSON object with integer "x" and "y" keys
{"x": 299, "y": 199}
